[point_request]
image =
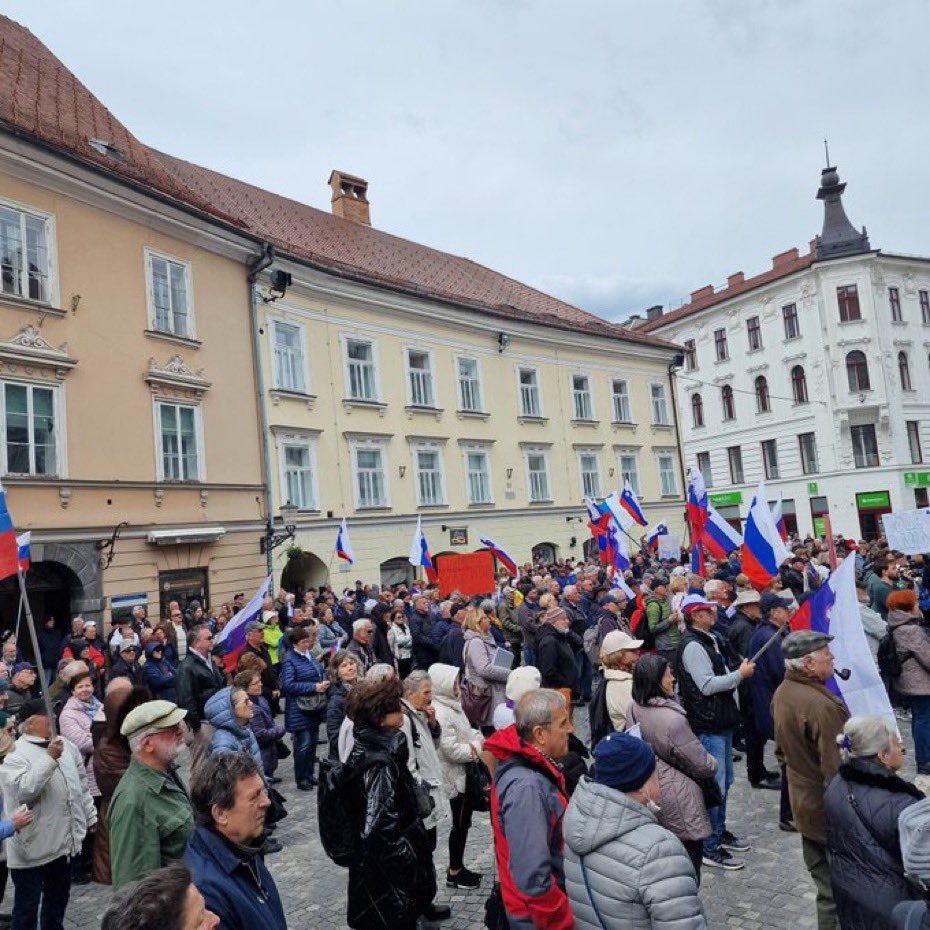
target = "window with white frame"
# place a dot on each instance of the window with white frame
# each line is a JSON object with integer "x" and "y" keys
{"x": 623, "y": 411}
{"x": 530, "y": 405}
{"x": 629, "y": 469}
{"x": 169, "y": 287}
{"x": 24, "y": 254}
{"x": 469, "y": 385}
{"x": 478, "y": 476}
{"x": 30, "y": 429}
{"x": 427, "y": 466}
{"x": 703, "y": 464}
{"x": 581, "y": 397}
{"x": 420, "y": 378}
{"x": 178, "y": 430}
{"x": 289, "y": 359}
{"x": 537, "y": 475}
{"x": 665, "y": 461}
{"x": 298, "y": 472}
{"x": 369, "y": 464}
{"x": 360, "y": 370}
{"x": 659, "y": 405}
{"x": 590, "y": 474}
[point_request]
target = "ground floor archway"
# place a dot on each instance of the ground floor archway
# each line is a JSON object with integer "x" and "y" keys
{"x": 51, "y": 588}
{"x": 544, "y": 552}
{"x": 396, "y": 571}
{"x": 304, "y": 570}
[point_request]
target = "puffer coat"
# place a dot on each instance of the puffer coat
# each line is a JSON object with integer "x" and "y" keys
{"x": 638, "y": 872}
{"x": 680, "y": 759}
{"x": 865, "y": 860}
{"x": 229, "y": 735}
{"x": 267, "y": 733}
{"x": 457, "y": 736}
{"x": 393, "y": 880}
{"x": 300, "y": 674}
{"x": 479, "y": 669}
{"x": 912, "y": 643}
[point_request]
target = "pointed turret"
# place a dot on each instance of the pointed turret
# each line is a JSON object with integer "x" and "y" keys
{"x": 839, "y": 237}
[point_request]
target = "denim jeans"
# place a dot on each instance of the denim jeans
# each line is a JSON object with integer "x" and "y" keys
{"x": 305, "y": 751}
{"x": 920, "y": 729}
{"x": 49, "y": 884}
{"x": 529, "y": 656}
{"x": 585, "y": 676}
{"x": 720, "y": 746}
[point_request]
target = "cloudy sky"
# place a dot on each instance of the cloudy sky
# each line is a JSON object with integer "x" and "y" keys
{"x": 614, "y": 153}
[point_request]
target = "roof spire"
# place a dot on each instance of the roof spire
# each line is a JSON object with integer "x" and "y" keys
{"x": 839, "y": 237}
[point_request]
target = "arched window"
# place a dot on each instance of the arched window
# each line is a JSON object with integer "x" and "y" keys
{"x": 763, "y": 404}
{"x": 697, "y": 409}
{"x": 904, "y": 371}
{"x": 799, "y": 385}
{"x": 857, "y": 371}
{"x": 726, "y": 395}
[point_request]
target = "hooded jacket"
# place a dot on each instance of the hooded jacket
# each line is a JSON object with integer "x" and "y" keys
{"x": 159, "y": 676}
{"x": 480, "y": 670}
{"x": 229, "y": 735}
{"x": 528, "y": 802}
{"x": 912, "y": 643}
{"x": 456, "y": 736}
{"x": 267, "y": 733}
{"x": 638, "y": 872}
{"x": 555, "y": 658}
{"x": 423, "y": 761}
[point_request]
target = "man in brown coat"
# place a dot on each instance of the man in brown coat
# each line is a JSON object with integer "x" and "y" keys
{"x": 808, "y": 718}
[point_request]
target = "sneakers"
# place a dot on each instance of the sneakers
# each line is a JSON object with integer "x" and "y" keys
{"x": 719, "y": 858}
{"x": 732, "y": 843}
{"x": 464, "y": 878}
{"x": 771, "y": 780}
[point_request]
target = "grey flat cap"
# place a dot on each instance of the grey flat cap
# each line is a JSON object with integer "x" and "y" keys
{"x": 803, "y": 643}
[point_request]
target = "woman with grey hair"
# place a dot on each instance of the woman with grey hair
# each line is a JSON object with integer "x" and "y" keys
{"x": 861, "y": 806}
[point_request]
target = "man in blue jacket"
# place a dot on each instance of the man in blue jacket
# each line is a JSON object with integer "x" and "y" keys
{"x": 225, "y": 852}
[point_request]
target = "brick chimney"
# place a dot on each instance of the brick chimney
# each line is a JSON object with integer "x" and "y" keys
{"x": 350, "y": 197}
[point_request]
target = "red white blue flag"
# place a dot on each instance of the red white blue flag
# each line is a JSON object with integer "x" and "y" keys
{"x": 9, "y": 551}
{"x": 232, "y": 636}
{"x": 778, "y": 518}
{"x": 22, "y": 550}
{"x": 652, "y": 538}
{"x": 343, "y": 546}
{"x": 500, "y": 554}
{"x": 630, "y": 504}
{"x": 419, "y": 553}
{"x": 764, "y": 551}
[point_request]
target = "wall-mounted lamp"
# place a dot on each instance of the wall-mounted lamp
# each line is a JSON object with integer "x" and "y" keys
{"x": 509, "y": 473}
{"x": 569, "y": 519}
{"x": 443, "y": 528}
{"x": 573, "y": 542}
{"x": 503, "y": 340}
{"x": 279, "y": 283}
{"x": 402, "y": 470}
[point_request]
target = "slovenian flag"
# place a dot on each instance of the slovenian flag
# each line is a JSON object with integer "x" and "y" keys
{"x": 630, "y": 504}
{"x": 763, "y": 549}
{"x": 22, "y": 550}
{"x": 343, "y": 546}
{"x": 834, "y": 609}
{"x": 778, "y": 518}
{"x": 718, "y": 537}
{"x": 652, "y": 538}
{"x": 9, "y": 551}
{"x": 419, "y": 553}
{"x": 619, "y": 553}
{"x": 232, "y": 636}
{"x": 618, "y": 584}
{"x": 500, "y": 554}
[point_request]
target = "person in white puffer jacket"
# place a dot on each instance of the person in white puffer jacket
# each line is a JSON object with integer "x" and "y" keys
{"x": 459, "y": 744}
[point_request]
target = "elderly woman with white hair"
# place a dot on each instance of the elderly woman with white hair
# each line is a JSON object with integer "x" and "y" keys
{"x": 862, "y": 805}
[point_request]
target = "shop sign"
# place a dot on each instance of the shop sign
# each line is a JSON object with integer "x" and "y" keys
{"x": 872, "y": 500}
{"x": 726, "y": 498}
{"x": 812, "y": 487}
{"x": 820, "y": 527}
{"x": 917, "y": 479}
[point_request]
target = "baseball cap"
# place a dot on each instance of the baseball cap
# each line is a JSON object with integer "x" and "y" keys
{"x": 692, "y": 602}
{"x": 616, "y": 640}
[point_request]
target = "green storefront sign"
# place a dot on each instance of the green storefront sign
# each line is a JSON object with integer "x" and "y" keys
{"x": 812, "y": 487}
{"x": 872, "y": 500}
{"x": 726, "y": 498}
{"x": 917, "y": 479}
{"x": 820, "y": 527}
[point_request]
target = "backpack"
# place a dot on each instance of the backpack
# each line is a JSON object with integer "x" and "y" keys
{"x": 639, "y": 624}
{"x": 889, "y": 664}
{"x": 591, "y": 643}
{"x": 338, "y": 836}
{"x": 598, "y": 717}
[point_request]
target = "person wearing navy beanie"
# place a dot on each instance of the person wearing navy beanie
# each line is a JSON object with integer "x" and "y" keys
{"x": 622, "y": 867}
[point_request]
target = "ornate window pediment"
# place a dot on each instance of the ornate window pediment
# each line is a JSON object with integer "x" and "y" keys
{"x": 29, "y": 354}
{"x": 175, "y": 380}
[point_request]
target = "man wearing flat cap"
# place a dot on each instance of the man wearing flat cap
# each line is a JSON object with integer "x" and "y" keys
{"x": 808, "y": 718}
{"x": 150, "y": 818}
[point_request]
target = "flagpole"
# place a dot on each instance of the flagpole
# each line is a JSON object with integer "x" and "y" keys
{"x": 36, "y": 653}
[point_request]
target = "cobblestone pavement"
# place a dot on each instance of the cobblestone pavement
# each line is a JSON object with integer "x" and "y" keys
{"x": 773, "y": 891}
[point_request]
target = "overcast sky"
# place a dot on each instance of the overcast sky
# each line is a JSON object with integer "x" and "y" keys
{"x": 614, "y": 153}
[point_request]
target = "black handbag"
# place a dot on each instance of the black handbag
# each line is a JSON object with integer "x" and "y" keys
{"x": 283, "y": 749}
{"x": 495, "y": 917}
{"x": 478, "y": 786}
{"x": 711, "y": 792}
{"x": 311, "y": 703}
{"x": 276, "y": 809}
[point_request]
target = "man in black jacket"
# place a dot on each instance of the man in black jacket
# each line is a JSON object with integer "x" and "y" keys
{"x": 198, "y": 678}
{"x": 255, "y": 645}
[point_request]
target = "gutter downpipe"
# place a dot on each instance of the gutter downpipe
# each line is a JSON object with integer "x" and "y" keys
{"x": 255, "y": 267}
{"x": 673, "y": 384}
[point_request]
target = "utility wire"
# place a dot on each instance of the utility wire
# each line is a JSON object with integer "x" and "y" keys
{"x": 736, "y": 390}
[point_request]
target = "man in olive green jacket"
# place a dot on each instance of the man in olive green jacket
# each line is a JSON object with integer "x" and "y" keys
{"x": 150, "y": 818}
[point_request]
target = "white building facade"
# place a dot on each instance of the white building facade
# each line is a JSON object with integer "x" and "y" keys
{"x": 815, "y": 376}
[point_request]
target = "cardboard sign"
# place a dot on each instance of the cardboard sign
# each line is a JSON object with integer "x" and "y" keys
{"x": 669, "y": 546}
{"x": 470, "y": 574}
{"x": 908, "y": 530}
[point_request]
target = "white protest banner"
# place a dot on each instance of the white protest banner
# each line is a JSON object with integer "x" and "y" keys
{"x": 669, "y": 546}
{"x": 908, "y": 530}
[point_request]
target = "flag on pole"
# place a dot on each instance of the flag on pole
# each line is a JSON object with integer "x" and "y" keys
{"x": 630, "y": 504}
{"x": 419, "y": 553}
{"x": 232, "y": 636}
{"x": 619, "y": 553}
{"x": 719, "y": 538}
{"x": 500, "y": 554}
{"x": 22, "y": 550}
{"x": 618, "y": 584}
{"x": 778, "y": 518}
{"x": 763, "y": 549}
{"x": 618, "y": 513}
{"x": 343, "y": 546}
{"x": 696, "y": 505}
{"x": 834, "y": 609}
{"x": 9, "y": 551}
{"x": 652, "y": 538}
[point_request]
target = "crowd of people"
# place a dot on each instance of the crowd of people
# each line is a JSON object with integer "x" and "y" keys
{"x": 154, "y": 766}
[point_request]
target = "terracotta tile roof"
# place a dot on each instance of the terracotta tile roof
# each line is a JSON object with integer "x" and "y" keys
{"x": 783, "y": 264}
{"x": 43, "y": 101}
